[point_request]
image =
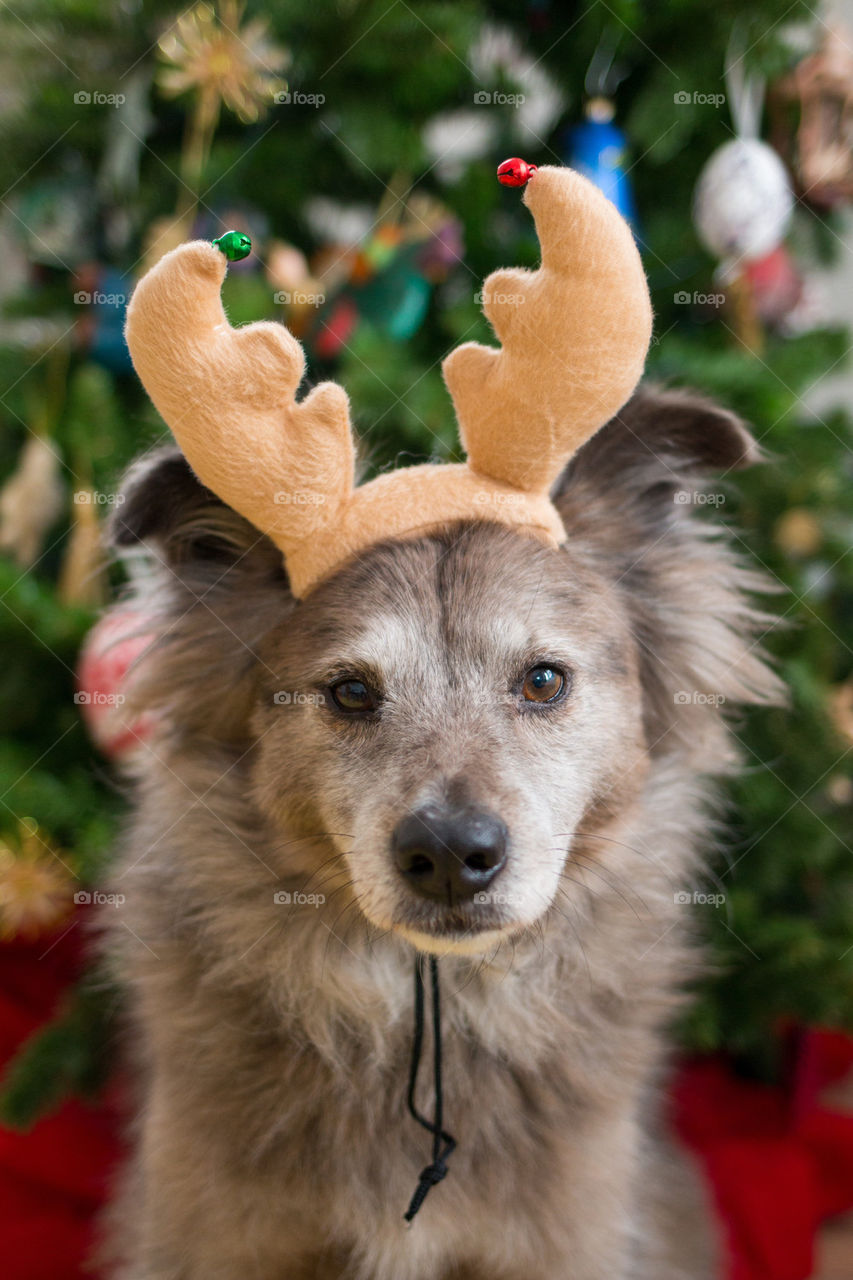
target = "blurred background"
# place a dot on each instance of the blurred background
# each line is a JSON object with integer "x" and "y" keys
{"x": 356, "y": 142}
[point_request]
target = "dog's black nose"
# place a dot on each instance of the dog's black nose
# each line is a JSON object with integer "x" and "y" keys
{"x": 449, "y": 854}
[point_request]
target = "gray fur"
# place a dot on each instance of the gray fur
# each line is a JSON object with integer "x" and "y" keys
{"x": 271, "y": 1042}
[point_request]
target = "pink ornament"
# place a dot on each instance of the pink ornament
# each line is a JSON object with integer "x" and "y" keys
{"x": 777, "y": 286}
{"x": 111, "y": 648}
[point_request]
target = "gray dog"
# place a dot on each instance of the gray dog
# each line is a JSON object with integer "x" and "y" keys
{"x": 465, "y": 746}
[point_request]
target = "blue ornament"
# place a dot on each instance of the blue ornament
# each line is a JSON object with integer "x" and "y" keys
{"x": 598, "y": 148}
{"x": 107, "y": 346}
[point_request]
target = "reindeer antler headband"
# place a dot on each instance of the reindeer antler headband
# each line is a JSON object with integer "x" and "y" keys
{"x": 574, "y": 335}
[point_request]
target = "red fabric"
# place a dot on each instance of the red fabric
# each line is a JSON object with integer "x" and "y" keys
{"x": 54, "y": 1178}
{"x": 777, "y": 1162}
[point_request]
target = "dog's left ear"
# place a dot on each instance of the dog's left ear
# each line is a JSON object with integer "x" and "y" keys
{"x": 643, "y": 467}
{"x": 629, "y": 500}
{"x": 663, "y": 437}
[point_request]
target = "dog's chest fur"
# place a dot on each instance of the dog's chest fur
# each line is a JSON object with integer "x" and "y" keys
{"x": 278, "y": 1054}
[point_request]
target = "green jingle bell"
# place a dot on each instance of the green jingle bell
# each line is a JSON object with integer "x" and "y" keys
{"x": 236, "y": 245}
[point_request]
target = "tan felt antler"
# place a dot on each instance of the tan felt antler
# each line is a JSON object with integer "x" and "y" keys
{"x": 574, "y": 336}
{"x": 229, "y": 396}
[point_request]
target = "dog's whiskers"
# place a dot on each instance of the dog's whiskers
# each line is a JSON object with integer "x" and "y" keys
{"x": 575, "y": 931}
{"x": 585, "y": 865}
{"x": 311, "y": 835}
{"x": 641, "y": 853}
{"x": 329, "y": 877}
{"x": 333, "y": 932}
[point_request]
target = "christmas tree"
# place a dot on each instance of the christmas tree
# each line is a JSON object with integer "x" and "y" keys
{"x": 358, "y": 150}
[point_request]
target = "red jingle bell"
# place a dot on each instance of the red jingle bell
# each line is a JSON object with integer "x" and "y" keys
{"x": 515, "y": 172}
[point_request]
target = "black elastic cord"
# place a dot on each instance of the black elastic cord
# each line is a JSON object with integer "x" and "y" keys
{"x": 436, "y": 1171}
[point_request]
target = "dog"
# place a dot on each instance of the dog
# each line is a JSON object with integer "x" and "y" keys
{"x": 465, "y": 746}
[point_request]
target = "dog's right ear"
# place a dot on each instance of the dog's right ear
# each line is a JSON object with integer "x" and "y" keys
{"x": 164, "y": 509}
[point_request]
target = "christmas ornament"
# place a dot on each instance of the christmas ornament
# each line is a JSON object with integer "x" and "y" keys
{"x": 439, "y": 234}
{"x": 497, "y": 57}
{"x": 82, "y": 576}
{"x": 54, "y": 217}
{"x": 114, "y": 645}
{"x": 743, "y": 201}
{"x": 287, "y": 267}
{"x": 376, "y": 252}
{"x": 236, "y": 245}
{"x": 453, "y": 140}
{"x": 386, "y": 280}
{"x": 500, "y": 56}
{"x": 821, "y": 87}
{"x": 294, "y": 287}
{"x": 333, "y": 328}
{"x": 839, "y": 789}
{"x": 208, "y": 52}
{"x": 32, "y": 497}
{"x": 31, "y": 501}
{"x": 597, "y": 147}
{"x": 210, "y": 55}
{"x": 398, "y": 303}
{"x": 798, "y": 533}
{"x": 100, "y": 296}
{"x": 777, "y": 286}
{"x": 36, "y": 884}
{"x": 841, "y": 709}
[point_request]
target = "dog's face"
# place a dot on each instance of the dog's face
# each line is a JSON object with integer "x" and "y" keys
{"x": 463, "y": 702}
{"x": 435, "y": 727}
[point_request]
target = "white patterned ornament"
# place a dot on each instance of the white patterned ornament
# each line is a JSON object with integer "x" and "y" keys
{"x": 743, "y": 201}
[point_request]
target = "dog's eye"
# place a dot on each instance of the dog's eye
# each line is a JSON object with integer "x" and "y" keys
{"x": 543, "y": 684}
{"x": 353, "y": 696}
